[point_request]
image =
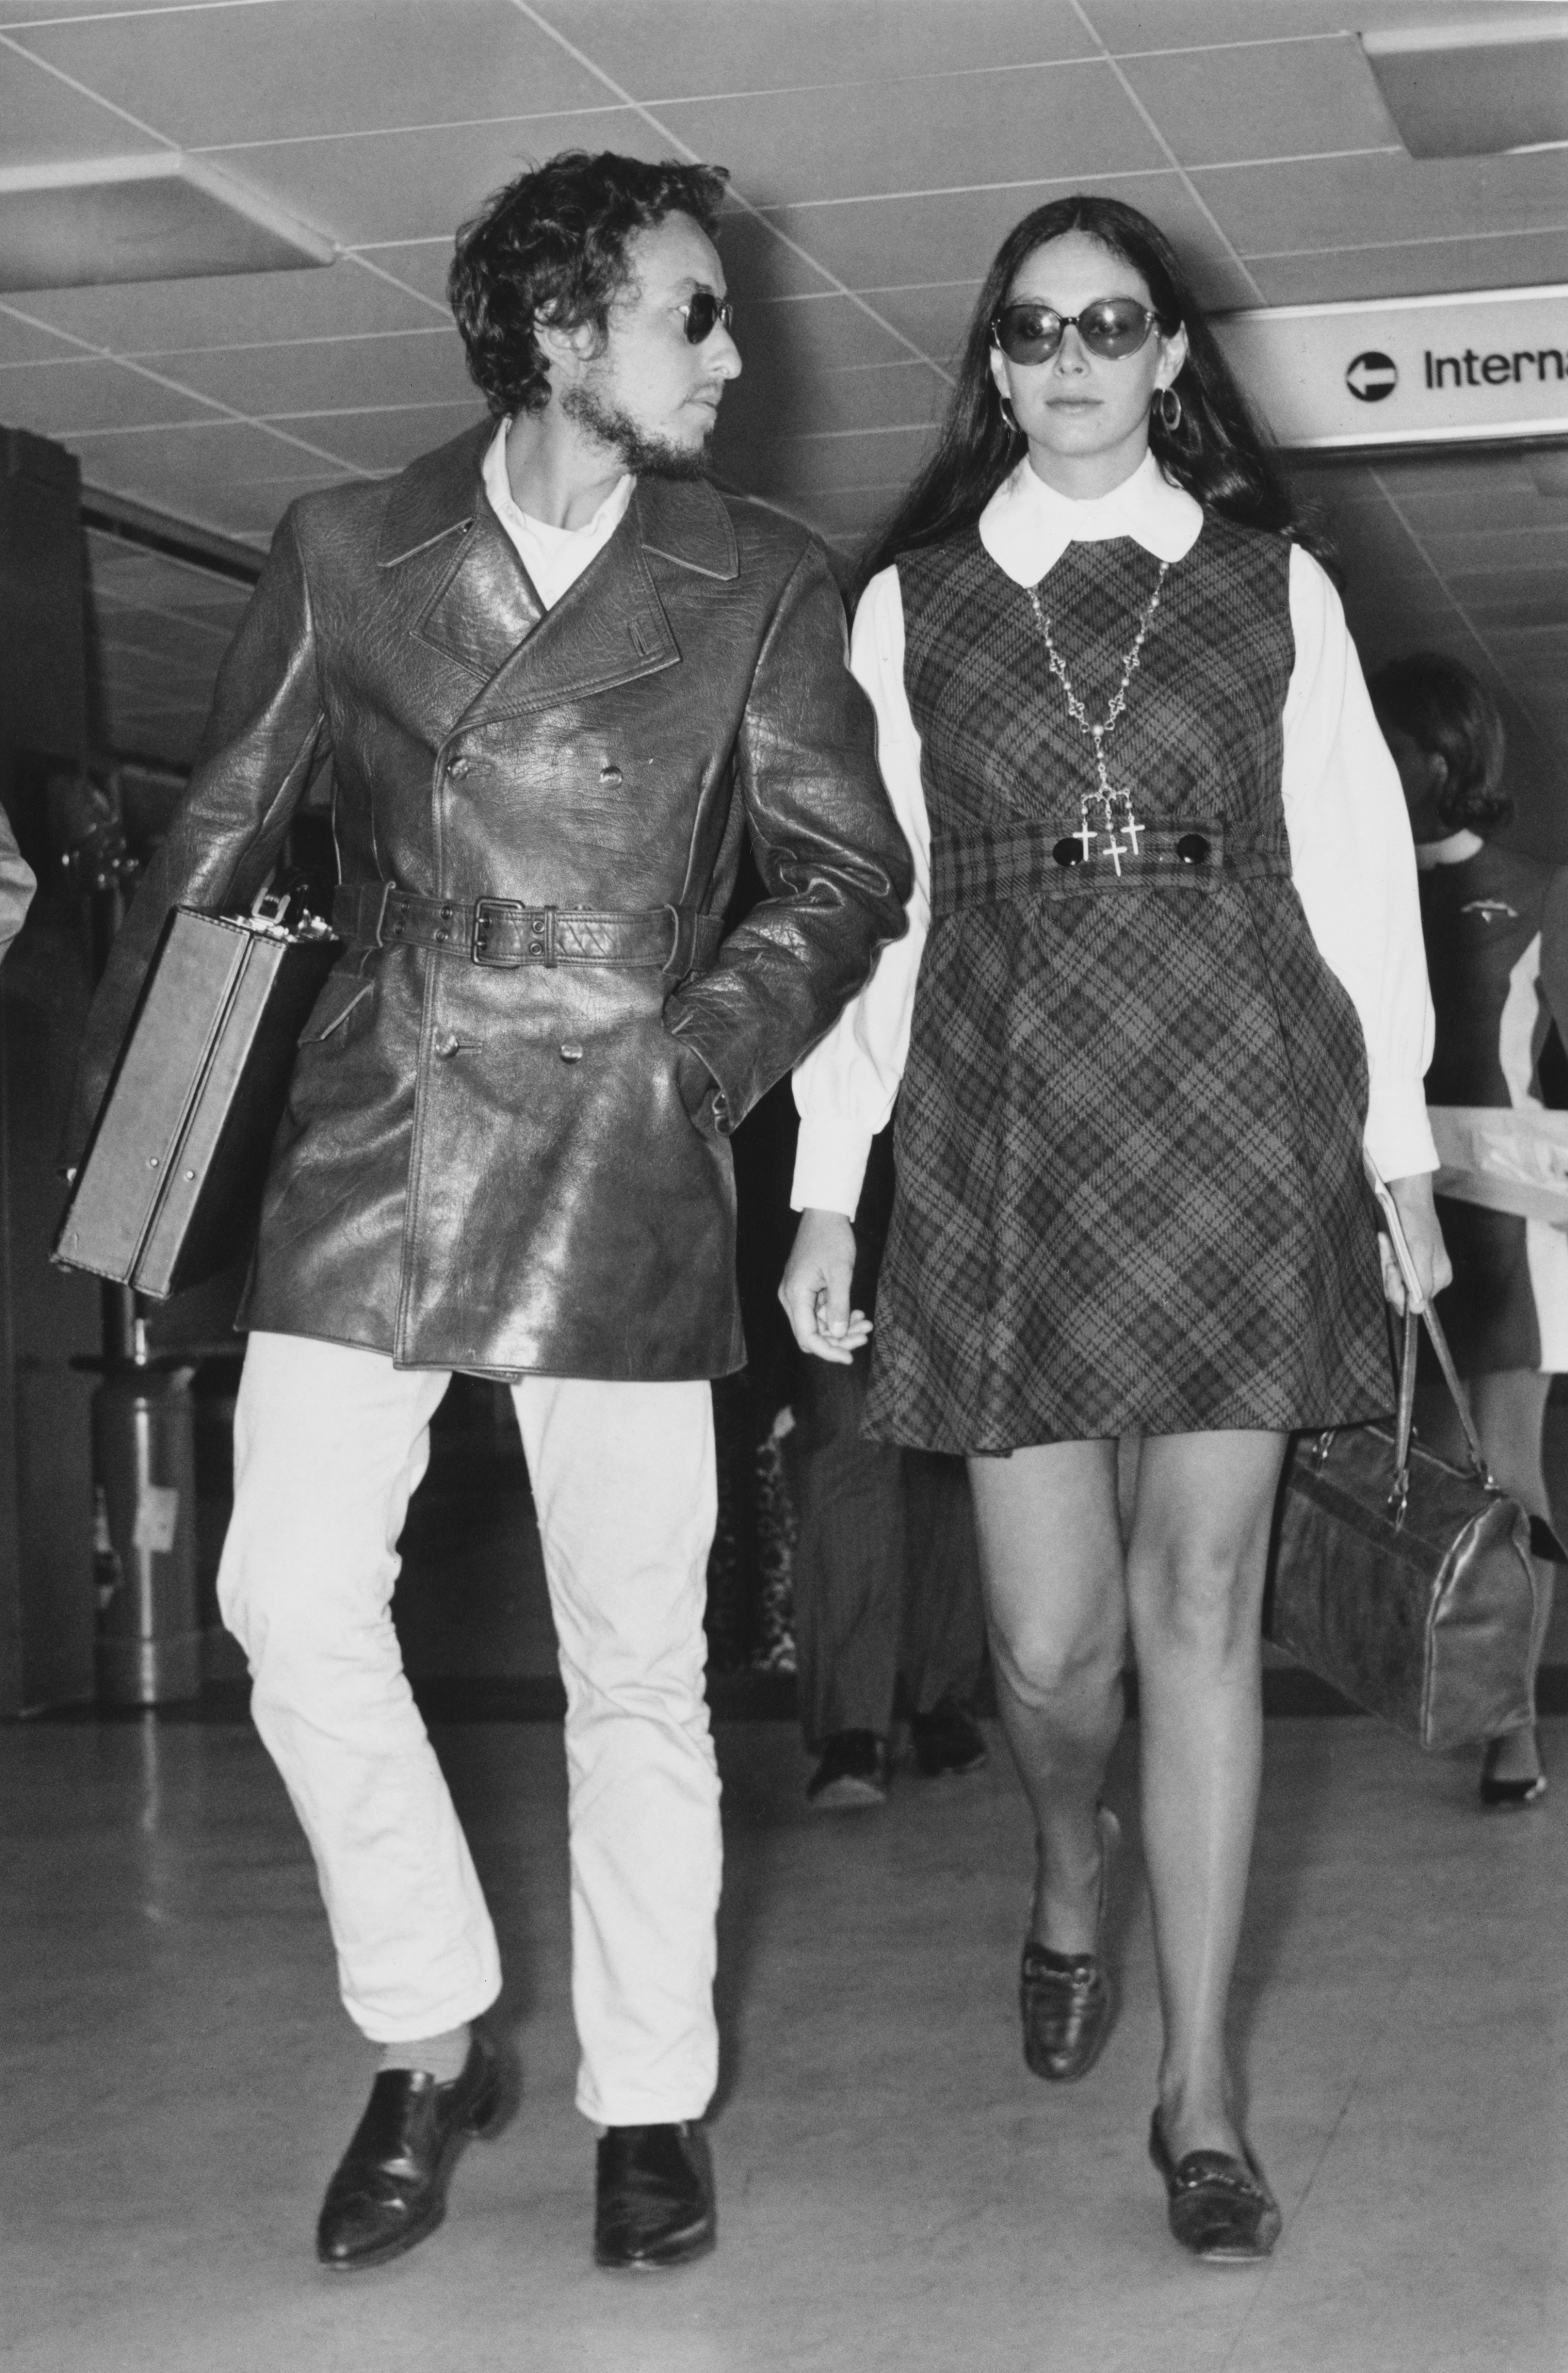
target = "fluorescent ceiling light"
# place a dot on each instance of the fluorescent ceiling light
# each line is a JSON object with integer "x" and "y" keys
{"x": 160, "y": 217}
{"x": 1475, "y": 85}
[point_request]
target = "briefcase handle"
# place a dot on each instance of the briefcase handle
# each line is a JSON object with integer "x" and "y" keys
{"x": 1419, "y": 1311}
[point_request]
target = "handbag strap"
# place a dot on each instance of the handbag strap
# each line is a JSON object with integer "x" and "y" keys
{"x": 1419, "y": 1312}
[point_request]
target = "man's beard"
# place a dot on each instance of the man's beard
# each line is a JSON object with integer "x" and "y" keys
{"x": 644, "y": 456}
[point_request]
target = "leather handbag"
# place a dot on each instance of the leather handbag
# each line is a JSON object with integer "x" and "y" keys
{"x": 171, "y": 1184}
{"x": 1403, "y": 1581}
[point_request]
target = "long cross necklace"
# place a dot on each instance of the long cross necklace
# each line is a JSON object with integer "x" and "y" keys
{"x": 1116, "y": 806}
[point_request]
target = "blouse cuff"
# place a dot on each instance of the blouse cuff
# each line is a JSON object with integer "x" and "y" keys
{"x": 1399, "y": 1139}
{"x": 830, "y": 1163}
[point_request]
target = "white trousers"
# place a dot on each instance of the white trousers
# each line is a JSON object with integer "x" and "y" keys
{"x": 330, "y": 1442}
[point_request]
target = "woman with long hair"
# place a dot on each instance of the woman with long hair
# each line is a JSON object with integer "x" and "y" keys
{"x": 1163, "y": 983}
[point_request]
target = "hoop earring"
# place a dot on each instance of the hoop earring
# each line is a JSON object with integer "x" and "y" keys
{"x": 1168, "y": 405}
{"x": 1007, "y": 414}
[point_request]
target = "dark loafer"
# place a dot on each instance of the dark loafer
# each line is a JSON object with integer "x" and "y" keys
{"x": 391, "y": 2186}
{"x": 654, "y": 2196}
{"x": 1065, "y": 1998}
{"x": 852, "y": 1775}
{"x": 1507, "y": 1796}
{"x": 948, "y": 1741}
{"x": 1221, "y": 2208}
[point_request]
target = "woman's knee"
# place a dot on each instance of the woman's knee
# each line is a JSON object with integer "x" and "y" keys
{"x": 1046, "y": 1664}
{"x": 1201, "y": 1598}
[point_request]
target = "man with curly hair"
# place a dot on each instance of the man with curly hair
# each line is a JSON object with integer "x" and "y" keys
{"x": 558, "y": 676}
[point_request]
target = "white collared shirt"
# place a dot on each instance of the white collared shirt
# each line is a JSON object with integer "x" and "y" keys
{"x": 555, "y": 557}
{"x": 1352, "y": 858}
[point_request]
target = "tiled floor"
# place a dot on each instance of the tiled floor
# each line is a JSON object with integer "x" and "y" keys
{"x": 895, "y": 2190}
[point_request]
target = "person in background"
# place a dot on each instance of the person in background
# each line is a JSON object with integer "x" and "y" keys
{"x": 1496, "y": 930}
{"x": 886, "y": 1572}
{"x": 1162, "y": 987}
{"x": 17, "y": 883}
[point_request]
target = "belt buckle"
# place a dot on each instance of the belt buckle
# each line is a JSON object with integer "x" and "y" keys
{"x": 487, "y": 913}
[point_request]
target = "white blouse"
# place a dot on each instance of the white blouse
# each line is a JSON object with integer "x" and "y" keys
{"x": 1352, "y": 857}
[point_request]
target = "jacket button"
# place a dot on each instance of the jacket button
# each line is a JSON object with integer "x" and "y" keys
{"x": 609, "y": 774}
{"x": 447, "y": 1044}
{"x": 457, "y": 768}
{"x": 572, "y": 1052}
{"x": 1193, "y": 849}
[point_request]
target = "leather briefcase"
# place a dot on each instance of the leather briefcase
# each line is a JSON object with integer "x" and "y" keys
{"x": 169, "y": 1187}
{"x": 1403, "y": 1581}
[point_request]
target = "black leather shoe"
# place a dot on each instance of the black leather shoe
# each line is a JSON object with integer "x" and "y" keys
{"x": 1065, "y": 1998}
{"x": 654, "y": 2203}
{"x": 852, "y": 1775}
{"x": 391, "y": 2186}
{"x": 948, "y": 1741}
{"x": 1503, "y": 1795}
{"x": 1220, "y": 2207}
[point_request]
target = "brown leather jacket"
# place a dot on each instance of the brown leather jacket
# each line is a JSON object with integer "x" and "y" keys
{"x": 521, "y": 1168}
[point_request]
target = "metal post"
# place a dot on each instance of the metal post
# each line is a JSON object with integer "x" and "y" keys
{"x": 148, "y": 1650}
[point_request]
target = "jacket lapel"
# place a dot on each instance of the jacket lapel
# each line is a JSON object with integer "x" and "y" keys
{"x": 609, "y": 628}
{"x": 439, "y": 525}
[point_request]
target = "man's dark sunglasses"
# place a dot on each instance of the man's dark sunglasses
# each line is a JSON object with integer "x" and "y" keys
{"x": 1112, "y": 326}
{"x": 702, "y": 314}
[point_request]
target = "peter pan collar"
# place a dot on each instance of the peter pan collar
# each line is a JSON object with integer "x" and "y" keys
{"x": 1028, "y": 526}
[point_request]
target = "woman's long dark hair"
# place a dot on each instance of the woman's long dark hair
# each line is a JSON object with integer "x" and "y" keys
{"x": 1217, "y": 450}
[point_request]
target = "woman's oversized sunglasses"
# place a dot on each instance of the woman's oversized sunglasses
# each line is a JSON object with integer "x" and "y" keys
{"x": 1112, "y": 326}
{"x": 702, "y": 314}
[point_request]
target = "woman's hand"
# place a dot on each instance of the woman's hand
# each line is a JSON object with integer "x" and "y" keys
{"x": 1418, "y": 1217}
{"x": 814, "y": 1289}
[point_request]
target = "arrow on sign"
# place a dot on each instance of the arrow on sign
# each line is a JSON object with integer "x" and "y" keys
{"x": 1372, "y": 376}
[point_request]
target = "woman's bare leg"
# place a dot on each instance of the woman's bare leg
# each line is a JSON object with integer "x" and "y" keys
{"x": 1051, "y": 1569}
{"x": 1195, "y": 1571}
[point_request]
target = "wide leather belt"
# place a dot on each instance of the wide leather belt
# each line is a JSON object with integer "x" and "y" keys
{"x": 1042, "y": 861}
{"x": 503, "y": 934}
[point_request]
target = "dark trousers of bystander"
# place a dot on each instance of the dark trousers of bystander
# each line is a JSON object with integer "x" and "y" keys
{"x": 887, "y": 1583}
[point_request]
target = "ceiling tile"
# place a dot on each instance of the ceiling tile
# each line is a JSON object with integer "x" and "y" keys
{"x": 1418, "y": 268}
{"x": 760, "y": 264}
{"x": 206, "y": 77}
{"x": 331, "y": 374}
{"x": 421, "y": 184}
{"x": 66, "y": 398}
{"x": 937, "y": 318}
{"x": 389, "y": 440}
{"x": 683, "y": 48}
{"x": 197, "y": 474}
{"x": 26, "y": 342}
{"x": 1134, "y": 25}
{"x": 1459, "y": 511}
{"x": 46, "y": 122}
{"x": 168, "y": 315}
{"x": 810, "y": 335}
{"x": 905, "y": 393}
{"x": 869, "y": 244}
{"x": 422, "y": 264}
{"x": 1301, "y": 98}
{"x": 1282, "y": 209}
{"x": 805, "y": 466}
{"x": 919, "y": 134}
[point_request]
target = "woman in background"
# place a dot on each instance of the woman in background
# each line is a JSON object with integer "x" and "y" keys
{"x": 1496, "y": 931}
{"x": 1172, "y": 928}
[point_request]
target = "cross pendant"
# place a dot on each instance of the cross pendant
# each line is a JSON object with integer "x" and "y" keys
{"x": 1116, "y": 852}
{"x": 1131, "y": 826}
{"x": 1086, "y": 836}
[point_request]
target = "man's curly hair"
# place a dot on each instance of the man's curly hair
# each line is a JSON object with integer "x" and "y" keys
{"x": 552, "y": 247}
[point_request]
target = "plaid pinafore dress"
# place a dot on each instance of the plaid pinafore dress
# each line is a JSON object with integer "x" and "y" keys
{"x": 1129, "y": 1194}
